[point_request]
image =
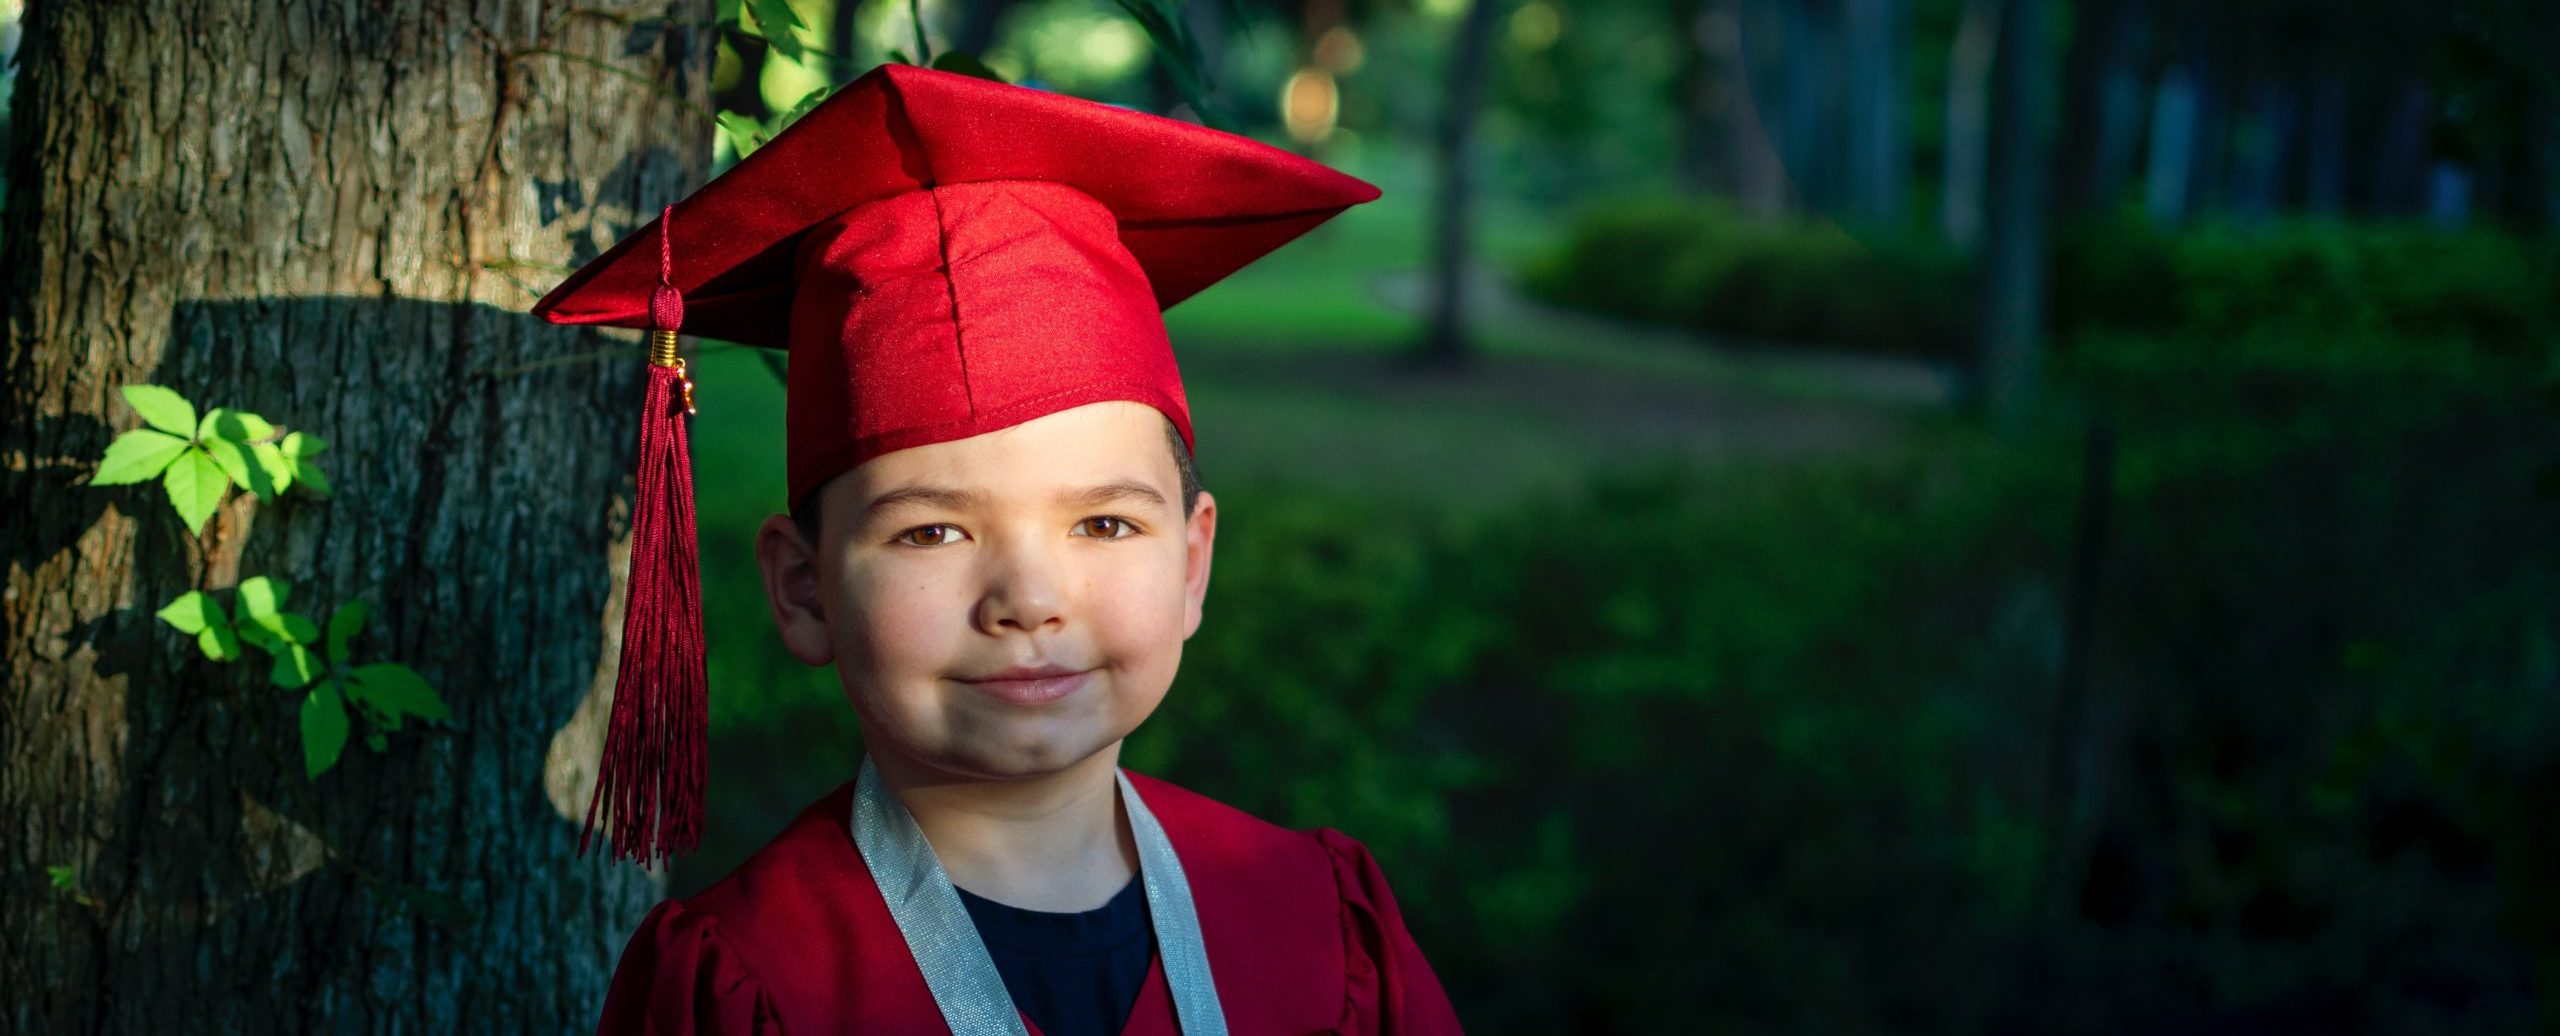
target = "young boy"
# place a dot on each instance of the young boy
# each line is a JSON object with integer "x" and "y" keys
{"x": 999, "y": 543}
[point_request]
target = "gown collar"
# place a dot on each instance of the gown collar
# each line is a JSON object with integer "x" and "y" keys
{"x": 944, "y": 940}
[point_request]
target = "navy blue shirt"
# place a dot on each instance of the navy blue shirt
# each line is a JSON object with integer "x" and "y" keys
{"x": 1074, "y": 974}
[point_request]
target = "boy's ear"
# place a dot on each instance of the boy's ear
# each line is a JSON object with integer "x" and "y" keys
{"x": 792, "y": 589}
{"x": 1198, "y": 537}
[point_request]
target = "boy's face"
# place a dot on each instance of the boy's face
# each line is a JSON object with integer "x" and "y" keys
{"x": 1058, "y": 543}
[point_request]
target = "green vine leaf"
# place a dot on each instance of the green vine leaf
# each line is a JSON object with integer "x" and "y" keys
{"x": 1178, "y": 52}
{"x": 238, "y": 426}
{"x": 295, "y": 667}
{"x": 196, "y": 486}
{"x": 373, "y": 739}
{"x": 63, "y": 877}
{"x": 243, "y": 470}
{"x": 324, "y": 729}
{"x": 344, "y": 624}
{"x": 386, "y": 722}
{"x": 284, "y": 634}
{"x": 271, "y": 460}
{"x": 137, "y": 456}
{"x": 193, "y": 611}
{"x": 743, "y": 133}
{"x": 297, "y": 449}
{"x": 808, "y": 103}
{"x": 302, "y": 630}
{"x": 220, "y": 643}
{"x": 274, "y": 633}
{"x": 966, "y": 64}
{"x": 262, "y": 595}
{"x": 398, "y": 690}
{"x": 777, "y": 22}
{"x": 162, "y": 409}
{"x": 196, "y": 612}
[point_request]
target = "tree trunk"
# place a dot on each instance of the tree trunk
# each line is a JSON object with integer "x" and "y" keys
{"x": 334, "y": 213}
{"x": 2173, "y": 148}
{"x": 1875, "y": 154}
{"x": 2102, "y": 102}
{"x": 1969, "y": 60}
{"x": 2014, "y": 249}
{"x": 1724, "y": 148}
{"x": 1444, "y": 343}
{"x": 1809, "y": 125}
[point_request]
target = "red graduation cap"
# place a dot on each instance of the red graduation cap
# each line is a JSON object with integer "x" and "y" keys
{"x": 943, "y": 256}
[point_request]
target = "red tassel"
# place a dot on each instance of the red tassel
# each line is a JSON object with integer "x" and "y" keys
{"x": 654, "y": 759}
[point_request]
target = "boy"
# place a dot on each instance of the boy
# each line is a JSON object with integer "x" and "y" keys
{"x": 998, "y": 542}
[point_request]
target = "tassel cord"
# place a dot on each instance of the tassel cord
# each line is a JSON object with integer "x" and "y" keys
{"x": 649, "y": 785}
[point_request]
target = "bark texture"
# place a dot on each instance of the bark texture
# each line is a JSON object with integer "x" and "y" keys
{"x": 334, "y": 213}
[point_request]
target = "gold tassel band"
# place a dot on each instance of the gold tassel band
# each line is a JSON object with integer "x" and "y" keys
{"x": 662, "y": 349}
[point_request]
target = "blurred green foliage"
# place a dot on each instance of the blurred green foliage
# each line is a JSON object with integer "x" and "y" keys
{"x": 1762, "y": 748}
{"x": 1698, "y": 263}
{"x": 2307, "y": 278}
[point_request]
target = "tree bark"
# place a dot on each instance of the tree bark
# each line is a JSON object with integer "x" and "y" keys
{"x": 334, "y": 213}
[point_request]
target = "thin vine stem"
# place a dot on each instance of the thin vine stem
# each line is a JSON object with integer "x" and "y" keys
{"x": 652, "y": 84}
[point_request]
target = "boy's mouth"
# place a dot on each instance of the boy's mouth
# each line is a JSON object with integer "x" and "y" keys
{"x": 1029, "y": 685}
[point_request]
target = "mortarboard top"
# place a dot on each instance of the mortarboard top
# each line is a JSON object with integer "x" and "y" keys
{"x": 943, "y": 256}
{"x": 927, "y": 244}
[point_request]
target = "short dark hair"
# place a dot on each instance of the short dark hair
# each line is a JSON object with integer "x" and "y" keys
{"x": 807, "y": 514}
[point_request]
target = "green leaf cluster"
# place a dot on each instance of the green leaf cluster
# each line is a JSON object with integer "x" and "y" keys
{"x": 1180, "y": 53}
{"x": 320, "y": 662}
{"x": 772, "y": 24}
{"x": 198, "y": 461}
{"x": 745, "y": 133}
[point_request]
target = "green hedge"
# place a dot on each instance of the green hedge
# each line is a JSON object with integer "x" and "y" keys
{"x": 1696, "y": 263}
{"x": 1699, "y": 264}
{"x": 2307, "y": 278}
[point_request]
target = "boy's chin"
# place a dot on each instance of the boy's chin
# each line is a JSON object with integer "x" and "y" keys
{"x": 1011, "y": 759}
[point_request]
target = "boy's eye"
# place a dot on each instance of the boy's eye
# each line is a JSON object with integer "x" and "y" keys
{"x": 1107, "y": 527}
{"x": 929, "y": 535}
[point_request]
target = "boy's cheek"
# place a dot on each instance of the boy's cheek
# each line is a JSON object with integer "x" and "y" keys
{"x": 888, "y": 611}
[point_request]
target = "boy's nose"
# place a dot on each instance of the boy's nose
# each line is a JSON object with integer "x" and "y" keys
{"x": 1022, "y": 594}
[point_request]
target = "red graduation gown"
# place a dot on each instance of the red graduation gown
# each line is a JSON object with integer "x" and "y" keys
{"x": 1303, "y": 937}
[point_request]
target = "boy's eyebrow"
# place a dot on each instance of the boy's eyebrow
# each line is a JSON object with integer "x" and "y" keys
{"x": 959, "y": 499}
{"x": 929, "y": 496}
{"x": 1117, "y": 489}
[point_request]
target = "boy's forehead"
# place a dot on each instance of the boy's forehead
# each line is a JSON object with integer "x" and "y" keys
{"x": 1076, "y": 448}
